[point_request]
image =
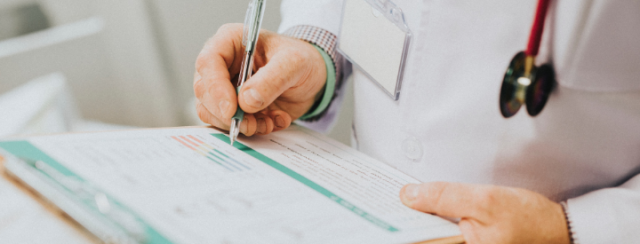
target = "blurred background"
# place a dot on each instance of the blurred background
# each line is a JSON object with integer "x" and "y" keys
{"x": 77, "y": 65}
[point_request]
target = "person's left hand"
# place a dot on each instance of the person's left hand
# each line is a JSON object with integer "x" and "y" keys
{"x": 491, "y": 214}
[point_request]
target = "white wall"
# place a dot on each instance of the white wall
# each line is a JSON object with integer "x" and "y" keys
{"x": 136, "y": 67}
{"x": 184, "y": 26}
{"x": 107, "y": 50}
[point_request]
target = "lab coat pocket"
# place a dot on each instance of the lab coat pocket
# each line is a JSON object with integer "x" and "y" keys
{"x": 595, "y": 45}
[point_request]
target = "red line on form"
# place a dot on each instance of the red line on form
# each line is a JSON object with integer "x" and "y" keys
{"x": 183, "y": 143}
{"x": 194, "y": 138}
{"x": 189, "y": 141}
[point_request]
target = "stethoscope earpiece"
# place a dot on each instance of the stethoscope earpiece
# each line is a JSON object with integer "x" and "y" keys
{"x": 521, "y": 86}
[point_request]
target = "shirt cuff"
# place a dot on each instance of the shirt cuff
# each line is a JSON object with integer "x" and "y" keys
{"x": 607, "y": 215}
{"x": 567, "y": 217}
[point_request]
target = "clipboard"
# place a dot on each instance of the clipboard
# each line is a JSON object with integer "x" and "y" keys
{"x": 13, "y": 168}
{"x": 63, "y": 193}
{"x": 52, "y": 212}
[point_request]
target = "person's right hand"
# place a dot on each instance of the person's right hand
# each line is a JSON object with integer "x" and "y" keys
{"x": 290, "y": 75}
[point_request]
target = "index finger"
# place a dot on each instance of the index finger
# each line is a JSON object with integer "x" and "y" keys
{"x": 219, "y": 58}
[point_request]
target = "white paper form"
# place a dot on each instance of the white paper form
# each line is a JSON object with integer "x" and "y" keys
{"x": 293, "y": 186}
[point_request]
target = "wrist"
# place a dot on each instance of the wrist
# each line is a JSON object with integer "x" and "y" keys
{"x": 326, "y": 42}
{"x": 557, "y": 226}
{"x": 324, "y": 97}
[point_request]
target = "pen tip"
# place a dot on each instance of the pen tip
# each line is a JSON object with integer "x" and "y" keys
{"x": 231, "y": 141}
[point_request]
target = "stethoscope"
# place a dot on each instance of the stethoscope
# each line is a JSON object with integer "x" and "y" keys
{"x": 524, "y": 83}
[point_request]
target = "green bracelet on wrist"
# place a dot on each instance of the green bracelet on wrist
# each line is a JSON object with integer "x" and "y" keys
{"x": 329, "y": 87}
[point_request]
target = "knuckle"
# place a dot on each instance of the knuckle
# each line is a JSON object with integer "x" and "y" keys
{"x": 198, "y": 89}
{"x": 204, "y": 57}
{"x": 228, "y": 30}
{"x": 435, "y": 192}
{"x": 225, "y": 28}
{"x": 203, "y": 113}
{"x": 196, "y": 78}
{"x": 486, "y": 200}
{"x": 202, "y": 60}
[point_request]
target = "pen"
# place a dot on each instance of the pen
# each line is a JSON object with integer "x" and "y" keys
{"x": 252, "y": 23}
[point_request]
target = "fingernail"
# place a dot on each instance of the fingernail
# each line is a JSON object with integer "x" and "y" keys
{"x": 253, "y": 98}
{"x": 411, "y": 192}
{"x": 280, "y": 122}
{"x": 224, "y": 107}
{"x": 262, "y": 126}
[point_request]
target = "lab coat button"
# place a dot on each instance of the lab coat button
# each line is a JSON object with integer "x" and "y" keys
{"x": 412, "y": 148}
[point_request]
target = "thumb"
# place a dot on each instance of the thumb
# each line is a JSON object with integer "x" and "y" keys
{"x": 442, "y": 198}
{"x": 266, "y": 85}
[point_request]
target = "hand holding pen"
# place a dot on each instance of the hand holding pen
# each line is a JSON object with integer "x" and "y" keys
{"x": 288, "y": 76}
{"x": 252, "y": 23}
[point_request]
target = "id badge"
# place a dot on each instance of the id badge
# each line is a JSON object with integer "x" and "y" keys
{"x": 375, "y": 38}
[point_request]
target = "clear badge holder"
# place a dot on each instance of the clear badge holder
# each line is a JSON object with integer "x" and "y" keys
{"x": 375, "y": 38}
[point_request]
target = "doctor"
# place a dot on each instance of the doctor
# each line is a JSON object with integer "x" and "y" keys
{"x": 568, "y": 175}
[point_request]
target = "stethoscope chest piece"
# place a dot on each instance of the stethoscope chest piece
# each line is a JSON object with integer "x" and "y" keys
{"x": 538, "y": 92}
{"x": 524, "y": 83}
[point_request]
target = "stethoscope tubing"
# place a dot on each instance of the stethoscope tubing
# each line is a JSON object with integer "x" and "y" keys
{"x": 538, "y": 26}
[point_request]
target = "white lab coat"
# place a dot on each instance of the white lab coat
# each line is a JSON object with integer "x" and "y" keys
{"x": 584, "y": 146}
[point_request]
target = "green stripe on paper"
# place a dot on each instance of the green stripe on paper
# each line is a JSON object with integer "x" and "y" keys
{"x": 307, "y": 182}
{"x": 215, "y": 161}
{"x": 26, "y": 150}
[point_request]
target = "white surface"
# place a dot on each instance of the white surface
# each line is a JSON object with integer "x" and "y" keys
{"x": 583, "y": 145}
{"x": 44, "y": 106}
{"x": 185, "y": 195}
{"x": 41, "y": 106}
{"x": 24, "y": 220}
